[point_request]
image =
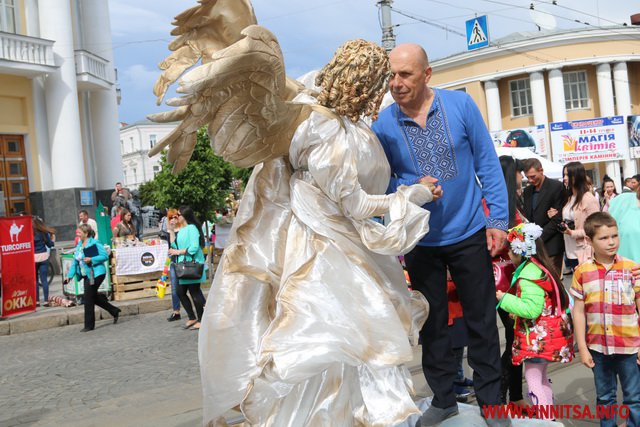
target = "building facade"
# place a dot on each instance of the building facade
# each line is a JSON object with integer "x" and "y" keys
{"x": 135, "y": 142}
{"x": 530, "y": 79}
{"x": 58, "y": 108}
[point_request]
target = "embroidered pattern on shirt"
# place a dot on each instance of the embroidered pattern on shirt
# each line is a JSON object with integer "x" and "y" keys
{"x": 497, "y": 223}
{"x": 432, "y": 147}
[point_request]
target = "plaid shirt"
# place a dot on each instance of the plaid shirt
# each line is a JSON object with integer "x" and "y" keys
{"x": 610, "y": 305}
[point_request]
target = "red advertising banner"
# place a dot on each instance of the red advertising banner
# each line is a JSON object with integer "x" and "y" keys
{"x": 18, "y": 273}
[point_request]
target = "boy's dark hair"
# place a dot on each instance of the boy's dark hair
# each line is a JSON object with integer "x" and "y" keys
{"x": 84, "y": 212}
{"x": 597, "y": 220}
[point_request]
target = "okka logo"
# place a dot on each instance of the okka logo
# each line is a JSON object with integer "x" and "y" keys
{"x": 15, "y": 231}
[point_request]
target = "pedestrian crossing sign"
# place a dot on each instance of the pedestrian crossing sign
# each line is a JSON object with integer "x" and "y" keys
{"x": 477, "y": 32}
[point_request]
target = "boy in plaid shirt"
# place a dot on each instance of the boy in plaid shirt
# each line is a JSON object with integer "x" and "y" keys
{"x": 605, "y": 317}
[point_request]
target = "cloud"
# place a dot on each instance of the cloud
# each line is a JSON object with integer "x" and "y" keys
{"x": 146, "y": 17}
{"x": 309, "y": 32}
{"x": 139, "y": 77}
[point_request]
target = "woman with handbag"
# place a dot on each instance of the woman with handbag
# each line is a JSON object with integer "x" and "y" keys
{"x": 89, "y": 258}
{"x": 189, "y": 265}
{"x": 44, "y": 238}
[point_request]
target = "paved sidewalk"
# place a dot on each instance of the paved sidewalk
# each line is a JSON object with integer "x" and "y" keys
{"x": 572, "y": 383}
{"x": 53, "y": 317}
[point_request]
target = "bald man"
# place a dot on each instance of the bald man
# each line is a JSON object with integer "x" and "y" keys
{"x": 439, "y": 136}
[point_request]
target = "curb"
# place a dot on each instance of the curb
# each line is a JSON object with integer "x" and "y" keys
{"x": 64, "y": 316}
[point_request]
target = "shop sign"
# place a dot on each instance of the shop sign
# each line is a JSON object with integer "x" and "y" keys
{"x": 18, "y": 274}
{"x": 590, "y": 141}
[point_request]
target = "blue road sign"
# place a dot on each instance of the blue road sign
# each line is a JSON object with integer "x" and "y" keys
{"x": 477, "y": 32}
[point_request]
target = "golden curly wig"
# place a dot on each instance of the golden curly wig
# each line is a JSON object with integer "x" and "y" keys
{"x": 355, "y": 80}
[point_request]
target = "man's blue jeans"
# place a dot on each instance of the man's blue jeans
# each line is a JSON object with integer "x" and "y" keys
{"x": 626, "y": 368}
{"x": 175, "y": 300}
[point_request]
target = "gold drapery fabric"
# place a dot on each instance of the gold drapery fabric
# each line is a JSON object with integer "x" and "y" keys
{"x": 309, "y": 321}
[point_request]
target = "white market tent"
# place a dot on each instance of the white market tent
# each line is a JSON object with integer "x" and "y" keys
{"x": 551, "y": 169}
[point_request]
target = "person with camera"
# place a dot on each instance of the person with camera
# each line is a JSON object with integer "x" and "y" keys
{"x": 579, "y": 203}
{"x": 187, "y": 248}
{"x": 120, "y": 193}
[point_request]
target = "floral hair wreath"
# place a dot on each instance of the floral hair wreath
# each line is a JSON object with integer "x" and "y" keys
{"x": 522, "y": 239}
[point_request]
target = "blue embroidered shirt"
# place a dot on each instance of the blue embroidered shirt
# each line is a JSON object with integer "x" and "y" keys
{"x": 455, "y": 147}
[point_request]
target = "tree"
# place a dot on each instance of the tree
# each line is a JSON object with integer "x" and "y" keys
{"x": 203, "y": 184}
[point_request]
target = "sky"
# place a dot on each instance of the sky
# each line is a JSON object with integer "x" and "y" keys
{"x": 309, "y": 32}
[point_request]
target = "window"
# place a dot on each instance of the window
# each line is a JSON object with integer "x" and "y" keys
{"x": 156, "y": 170}
{"x": 576, "y": 95}
{"x": 8, "y": 16}
{"x": 152, "y": 140}
{"x": 121, "y": 146}
{"x": 520, "y": 97}
{"x": 135, "y": 175}
{"x": 131, "y": 144}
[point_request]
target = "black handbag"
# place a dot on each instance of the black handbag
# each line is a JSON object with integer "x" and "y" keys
{"x": 189, "y": 270}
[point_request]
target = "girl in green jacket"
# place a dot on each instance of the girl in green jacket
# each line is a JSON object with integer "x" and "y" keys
{"x": 542, "y": 330}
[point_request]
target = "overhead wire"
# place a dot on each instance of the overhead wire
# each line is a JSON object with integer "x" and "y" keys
{"x": 610, "y": 29}
{"x": 555, "y": 3}
{"x": 550, "y": 58}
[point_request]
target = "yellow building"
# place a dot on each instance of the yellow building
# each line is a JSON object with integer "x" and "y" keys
{"x": 59, "y": 140}
{"x": 529, "y": 79}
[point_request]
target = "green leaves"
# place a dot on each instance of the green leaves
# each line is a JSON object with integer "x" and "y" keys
{"x": 203, "y": 184}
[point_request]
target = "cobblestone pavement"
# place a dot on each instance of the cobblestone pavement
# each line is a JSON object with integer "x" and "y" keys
{"x": 144, "y": 372}
{"x": 141, "y": 372}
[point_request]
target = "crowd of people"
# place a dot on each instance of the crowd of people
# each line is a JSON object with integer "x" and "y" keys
{"x": 455, "y": 209}
{"x": 312, "y": 293}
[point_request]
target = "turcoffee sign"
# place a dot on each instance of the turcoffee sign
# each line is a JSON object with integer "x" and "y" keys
{"x": 18, "y": 280}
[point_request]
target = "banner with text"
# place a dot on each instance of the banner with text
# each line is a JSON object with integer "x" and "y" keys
{"x": 140, "y": 259}
{"x": 589, "y": 141}
{"x": 634, "y": 136}
{"x": 18, "y": 266}
{"x": 532, "y": 137}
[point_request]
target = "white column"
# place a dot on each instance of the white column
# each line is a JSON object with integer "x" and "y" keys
{"x": 61, "y": 94}
{"x": 539, "y": 104}
{"x": 87, "y": 136}
{"x": 623, "y": 106}
{"x": 607, "y": 109}
{"x": 494, "y": 113}
{"x": 42, "y": 134}
{"x": 605, "y": 90}
{"x": 96, "y": 37}
{"x": 31, "y": 17}
{"x": 538, "y": 98}
{"x": 556, "y": 92}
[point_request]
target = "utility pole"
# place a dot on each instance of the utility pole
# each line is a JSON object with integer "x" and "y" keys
{"x": 388, "y": 38}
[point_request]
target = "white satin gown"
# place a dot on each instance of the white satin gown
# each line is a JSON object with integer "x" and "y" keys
{"x": 309, "y": 321}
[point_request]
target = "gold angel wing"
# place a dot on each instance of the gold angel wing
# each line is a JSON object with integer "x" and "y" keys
{"x": 241, "y": 94}
{"x": 202, "y": 31}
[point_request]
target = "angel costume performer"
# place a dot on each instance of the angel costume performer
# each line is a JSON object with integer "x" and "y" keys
{"x": 309, "y": 321}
